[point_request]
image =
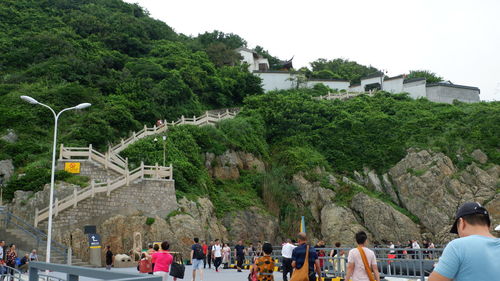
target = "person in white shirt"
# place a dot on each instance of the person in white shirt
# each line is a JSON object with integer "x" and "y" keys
{"x": 391, "y": 246}
{"x": 286, "y": 253}
{"x": 415, "y": 245}
{"x": 217, "y": 254}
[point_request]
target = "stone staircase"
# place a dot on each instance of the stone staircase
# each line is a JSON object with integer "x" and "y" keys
{"x": 26, "y": 238}
{"x": 113, "y": 161}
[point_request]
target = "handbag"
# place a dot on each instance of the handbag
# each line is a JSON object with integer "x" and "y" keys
{"x": 177, "y": 269}
{"x": 302, "y": 274}
{"x": 368, "y": 269}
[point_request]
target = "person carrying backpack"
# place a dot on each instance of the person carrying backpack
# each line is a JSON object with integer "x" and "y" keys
{"x": 197, "y": 258}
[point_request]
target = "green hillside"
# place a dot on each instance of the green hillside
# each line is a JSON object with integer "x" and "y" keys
{"x": 135, "y": 70}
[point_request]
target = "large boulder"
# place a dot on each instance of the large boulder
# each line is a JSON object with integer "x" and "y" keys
{"x": 252, "y": 224}
{"x": 432, "y": 188}
{"x": 339, "y": 225}
{"x": 315, "y": 196}
{"x": 229, "y": 164}
{"x": 6, "y": 171}
{"x": 479, "y": 156}
{"x": 382, "y": 220}
{"x": 202, "y": 214}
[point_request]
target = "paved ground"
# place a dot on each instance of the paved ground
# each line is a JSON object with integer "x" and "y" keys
{"x": 209, "y": 275}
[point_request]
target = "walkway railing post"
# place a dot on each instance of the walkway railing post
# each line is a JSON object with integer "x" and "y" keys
{"x": 33, "y": 274}
{"x": 61, "y": 152}
{"x": 421, "y": 264}
{"x": 90, "y": 151}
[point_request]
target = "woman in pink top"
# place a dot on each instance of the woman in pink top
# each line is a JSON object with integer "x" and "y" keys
{"x": 162, "y": 259}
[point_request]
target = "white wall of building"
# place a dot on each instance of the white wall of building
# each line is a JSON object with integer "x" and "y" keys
{"x": 416, "y": 89}
{"x": 356, "y": 89}
{"x": 372, "y": 80}
{"x": 276, "y": 80}
{"x": 339, "y": 85}
{"x": 449, "y": 93}
{"x": 393, "y": 85}
{"x": 248, "y": 58}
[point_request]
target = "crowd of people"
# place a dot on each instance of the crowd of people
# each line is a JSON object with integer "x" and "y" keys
{"x": 10, "y": 260}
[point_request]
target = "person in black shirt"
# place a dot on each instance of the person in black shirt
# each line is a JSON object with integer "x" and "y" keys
{"x": 109, "y": 257}
{"x": 239, "y": 253}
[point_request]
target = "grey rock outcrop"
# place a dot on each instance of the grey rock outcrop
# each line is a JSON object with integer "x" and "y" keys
{"x": 10, "y": 136}
{"x": 252, "y": 224}
{"x": 229, "y": 164}
{"x": 382, "y": 220}
{"x": 432, "y": 188}
{"x": 479, "y": 156}
{"x": 6, "y": 170}
{"x": 315, "y": 196}
{"x": 339, "y": 225}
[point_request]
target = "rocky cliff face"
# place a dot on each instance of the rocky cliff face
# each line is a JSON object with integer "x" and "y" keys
{"x": 229, "y": 164}
{"x": 431, "y": 187}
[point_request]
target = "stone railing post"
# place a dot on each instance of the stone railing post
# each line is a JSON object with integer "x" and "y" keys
{"x": 182, "y": 119}
{"x": 142, "y": 170}
{"x": 56, "y": 207}
{"x": 92, "y": 188}
{"x": 133, "y": 134}
{"x": 106, "y": 158}
{"x": 61, "y": 152}
{"x": 122, "y": 142}
{"x": 108, "y": 188}
{"x": 90, "y": 152}
{"x": 157, "y": 172}
{"x": 154, "y": 128}
{"x": 127, "y": 179}
{"x": 75, "y": 197}
{"x": 36, "y": 217}
{"x": 171, "y": 177}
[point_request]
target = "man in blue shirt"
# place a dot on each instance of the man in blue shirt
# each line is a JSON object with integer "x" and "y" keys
{"x": 475, "y": 256}
{"x": 299, "y": 257}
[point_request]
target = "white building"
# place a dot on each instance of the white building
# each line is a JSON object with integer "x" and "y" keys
{"x": 255, "y": 61}
{"x": 445, "y": 92}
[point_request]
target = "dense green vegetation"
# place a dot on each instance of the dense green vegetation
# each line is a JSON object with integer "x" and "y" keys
{"x": 374, "y": 131}
{"x": 135, "y": 70}
{"x": 132, "y": 68}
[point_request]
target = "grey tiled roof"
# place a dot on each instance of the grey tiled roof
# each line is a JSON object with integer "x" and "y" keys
{"x": 453, "y": 86}
{"x": 413, "y": 80}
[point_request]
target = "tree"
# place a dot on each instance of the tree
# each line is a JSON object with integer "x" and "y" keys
{"x": 343, "y": 69}
{"x": 429, "y": 76}
{"x": 221, "y": 55}
{"x": 274, "y": 62}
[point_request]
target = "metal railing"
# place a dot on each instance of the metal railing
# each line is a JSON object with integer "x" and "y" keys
{"x": 397, "y": 262}
{"x": 39, "y": 237}
{"x": 73, "y": 273}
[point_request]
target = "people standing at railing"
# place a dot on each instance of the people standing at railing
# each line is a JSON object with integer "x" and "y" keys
{"x": 416, "y": 247}
{"x": 33, "y": 255}
{"x": 23, "y": 264}
{"x": 162, "y": 259}
{"x": 264, "y": 266}
{"x": 321, "y": 253}
{"x": 226, "y": 255}
{"x": 286, "y": 253}
{"x": 361, "y": 261}
{"x": 10, "y": 258}
{"x": 159, "y": 123}
{"x": 299, "y": 255}
{"x": 337, "y": 255}
{"x": 250, "y": 253}
{"x": 473, "y": 256}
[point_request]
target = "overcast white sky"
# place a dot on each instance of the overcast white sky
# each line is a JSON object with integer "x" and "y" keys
{"x": 457, "y": 39}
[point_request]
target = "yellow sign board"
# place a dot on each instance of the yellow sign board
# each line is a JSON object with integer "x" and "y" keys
{"x": 72, "y": 167}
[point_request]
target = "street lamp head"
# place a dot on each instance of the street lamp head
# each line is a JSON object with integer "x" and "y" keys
{"x": 82, "y": 105}
{"x": 29, "y": 99}
{"x": 156, "y": 139}
{"x": 164, "y": 138}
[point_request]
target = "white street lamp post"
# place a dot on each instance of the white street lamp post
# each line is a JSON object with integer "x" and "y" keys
{"x": 164, "y": 147}
{"x": 51, "y": 198}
